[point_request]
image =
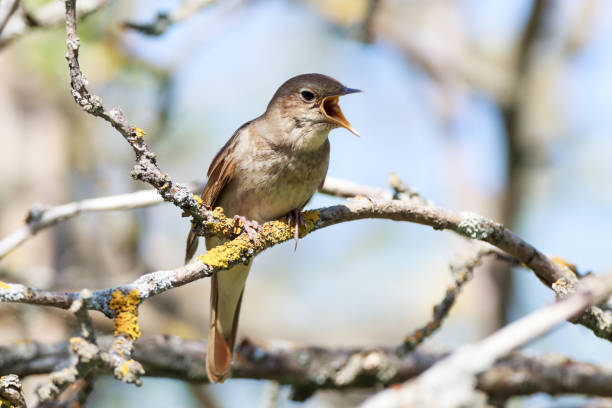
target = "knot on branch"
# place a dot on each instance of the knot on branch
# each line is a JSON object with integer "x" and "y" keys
{"x": 126, "y": 313}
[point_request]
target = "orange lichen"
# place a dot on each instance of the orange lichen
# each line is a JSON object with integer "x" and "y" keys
{"x": 4, "y": 285}
{"x": 126, "y": 309}
{"x": 198, "y": 199}
{"x": 563, "y": 264}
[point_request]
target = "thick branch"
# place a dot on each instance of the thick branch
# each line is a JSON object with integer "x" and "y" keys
{"x": 322, "y": 368}
{"x": 275, "y": 232}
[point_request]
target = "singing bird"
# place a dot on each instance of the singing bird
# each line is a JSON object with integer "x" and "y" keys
{"x": 269, "y": 168}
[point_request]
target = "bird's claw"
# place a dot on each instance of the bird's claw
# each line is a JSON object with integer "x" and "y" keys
{"x": 250, "y": 227}
{"x": 296, "y": 218}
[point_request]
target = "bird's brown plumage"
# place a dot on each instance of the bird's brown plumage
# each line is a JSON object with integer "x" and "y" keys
{"x": 271, "y": 166}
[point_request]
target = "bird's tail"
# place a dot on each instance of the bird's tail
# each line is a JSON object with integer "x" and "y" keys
{"x": 192, "y": 245}
{"x": 227, "y": 288}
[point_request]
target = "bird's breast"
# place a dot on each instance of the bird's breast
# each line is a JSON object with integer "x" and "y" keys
{"x": 269, "y": 183}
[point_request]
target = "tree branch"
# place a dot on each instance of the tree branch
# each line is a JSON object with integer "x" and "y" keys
{"x": 326, "y": 368}
{"x": 39, "y": 217}
{"x": 240, "y": 249}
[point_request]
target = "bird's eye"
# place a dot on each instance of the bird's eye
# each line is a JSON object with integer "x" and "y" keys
{"x": 307, "y": 96}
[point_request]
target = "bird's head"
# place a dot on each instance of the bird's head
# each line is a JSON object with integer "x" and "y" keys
{"x": 307, "y": 107}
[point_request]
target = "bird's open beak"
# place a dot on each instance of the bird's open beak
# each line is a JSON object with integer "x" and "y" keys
{"x": 331, "y": 110}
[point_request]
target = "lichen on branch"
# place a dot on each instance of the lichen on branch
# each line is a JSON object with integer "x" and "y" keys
{"x": 126, "y": 310}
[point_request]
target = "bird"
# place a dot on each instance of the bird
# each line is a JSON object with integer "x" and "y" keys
{"x": 269, "y": 168}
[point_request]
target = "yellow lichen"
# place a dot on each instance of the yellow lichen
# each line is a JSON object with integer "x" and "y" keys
{"x": 126, "y": 309}
{"x": 221, "y": 255}
{"x": 271, "y": 233}
{"x": 225, "y": 226}
{"x": 198, "y": 199}
{"x": 139, "y": 132}
{"x": 125, "y": 367}
{"x": 4, "y": 285}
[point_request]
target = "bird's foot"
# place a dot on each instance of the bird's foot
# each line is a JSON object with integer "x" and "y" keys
{"x": 296, "y": 218}
{"x": 250, "y": 227}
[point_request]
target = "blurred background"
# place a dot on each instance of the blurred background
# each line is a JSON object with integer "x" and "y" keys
{"x": 502, "y": 108}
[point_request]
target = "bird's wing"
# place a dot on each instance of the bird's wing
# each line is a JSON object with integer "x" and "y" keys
{"x": 220, "y": 173}
{"x": 221, "y": 170}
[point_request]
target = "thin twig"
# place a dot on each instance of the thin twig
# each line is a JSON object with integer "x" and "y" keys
{"x": 164, "y": 20}
{"x": 40, "y": 217}
{"x": 7, "y": 9}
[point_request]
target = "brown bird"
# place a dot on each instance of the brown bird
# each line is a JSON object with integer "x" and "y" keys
{"x": 269, "y": 168}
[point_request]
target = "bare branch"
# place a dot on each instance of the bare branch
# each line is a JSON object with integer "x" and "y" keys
{"x": 451, "y": 381}
{"x": 40, "y": 217}
{"x": 348, "y": 189}
{"x": 164, "y": 20}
